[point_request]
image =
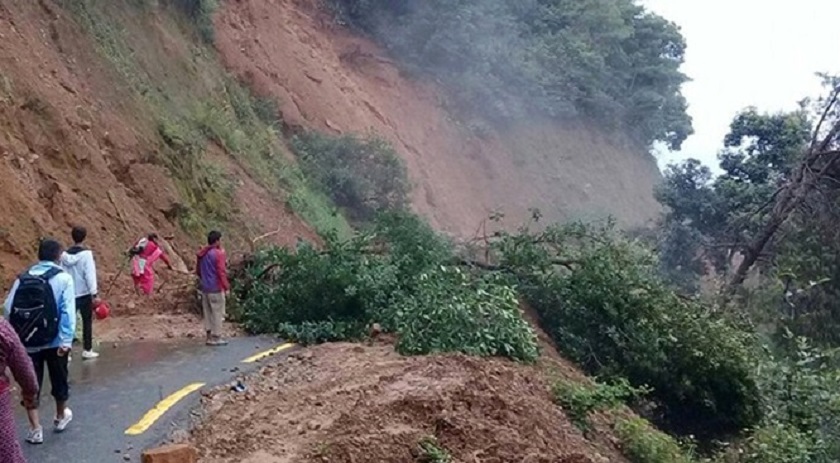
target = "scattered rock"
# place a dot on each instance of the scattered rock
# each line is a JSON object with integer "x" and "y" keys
{"x": 174, "y": 453}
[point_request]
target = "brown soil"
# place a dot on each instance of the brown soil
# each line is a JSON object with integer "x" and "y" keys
{"x": 330, "y": 79}
{"x": 78, "y": 147}
{"x": 171, "y": 312}
{"x": 354, "y": 403}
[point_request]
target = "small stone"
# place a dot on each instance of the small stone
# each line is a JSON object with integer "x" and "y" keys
{"x": 174, "y": 453}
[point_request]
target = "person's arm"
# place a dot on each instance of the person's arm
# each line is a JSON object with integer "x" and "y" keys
{"x": 221, "y": 270}
{"x": 165, "y": 259}
{"x": 7, "y": 305}
{"x": 67, "y": 308}
{"x": 20, "y": 364}
{"x": 90, "y": 276}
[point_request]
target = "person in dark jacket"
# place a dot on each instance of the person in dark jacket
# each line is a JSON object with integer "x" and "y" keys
{"x": 211, "y": 269}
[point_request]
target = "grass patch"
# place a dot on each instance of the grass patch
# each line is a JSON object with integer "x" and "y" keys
{"x": 579, "y": 401}
{"x": 642, "y": 443}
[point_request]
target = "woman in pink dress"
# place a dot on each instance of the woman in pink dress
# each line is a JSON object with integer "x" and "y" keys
{"x": 13, "y": 355}
{"x": 146, "y": 253}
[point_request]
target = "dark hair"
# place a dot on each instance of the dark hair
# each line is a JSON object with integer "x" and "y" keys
{"x": 152, "y": 237}
{"x": 78, "y": 234}
{"x": 49, "y": 250}
{"x": 213, "y": 237}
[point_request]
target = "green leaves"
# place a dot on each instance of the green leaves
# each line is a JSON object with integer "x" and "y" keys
{"x": 397, "y": 274}
{"x": 455, "y": 311}
{"x": 580, "y": 400}
{"x": 612, "y": 314}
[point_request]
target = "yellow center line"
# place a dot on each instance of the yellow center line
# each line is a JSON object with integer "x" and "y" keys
{"x": 154, "y": 414}
{"x": 271, "y": 351}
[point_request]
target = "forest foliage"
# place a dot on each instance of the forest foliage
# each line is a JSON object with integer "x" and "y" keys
{"x": 611, "y": 61}
{"x": 775, "y": 202}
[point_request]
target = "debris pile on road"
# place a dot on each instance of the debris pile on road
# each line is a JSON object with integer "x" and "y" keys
{"x": 355, "y": 403}
{"x": 172, "y": 311}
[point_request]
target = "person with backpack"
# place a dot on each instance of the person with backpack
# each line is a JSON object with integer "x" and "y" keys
{"x": 143, "y": 255}
{"x": 13, "y": 355}
{"x": 79, "y": 263}
{"x": 211, "y": 268}
{"x": 41, "y": 307}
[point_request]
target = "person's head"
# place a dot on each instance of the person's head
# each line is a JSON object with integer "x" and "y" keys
{"x": 153, "y": 237}
{"x": 214, "y": 237}
{"x": 78, "y": 233}
{"x": 49, "y": 250}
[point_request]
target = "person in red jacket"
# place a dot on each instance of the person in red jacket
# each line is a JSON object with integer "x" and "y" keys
{"x": 212, "y": 272}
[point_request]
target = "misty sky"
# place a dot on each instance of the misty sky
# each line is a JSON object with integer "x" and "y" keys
{"x": 741, "y": 53}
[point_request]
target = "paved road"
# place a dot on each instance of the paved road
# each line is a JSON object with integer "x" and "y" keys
{"x": 111, "y": 394}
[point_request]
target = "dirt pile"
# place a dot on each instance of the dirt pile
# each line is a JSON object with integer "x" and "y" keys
{"x": 328, "y": 78}
{"x": 354, "y": 403}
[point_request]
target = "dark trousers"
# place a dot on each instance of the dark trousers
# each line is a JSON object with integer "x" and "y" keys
{"x": 57, "y": 367}
{"x": 84, "y": 305}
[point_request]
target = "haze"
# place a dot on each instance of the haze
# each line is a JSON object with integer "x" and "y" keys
{"x": 748, "y": 53}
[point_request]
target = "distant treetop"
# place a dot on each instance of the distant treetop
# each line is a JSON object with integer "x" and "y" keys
{"x": 610, "y": 61}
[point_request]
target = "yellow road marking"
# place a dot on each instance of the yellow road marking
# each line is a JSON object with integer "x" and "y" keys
{"x": 155, "y": 413}
{"x": 271, "y": 351}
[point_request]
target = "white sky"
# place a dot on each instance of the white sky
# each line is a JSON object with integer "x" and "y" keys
{"x": 741, "y": 53}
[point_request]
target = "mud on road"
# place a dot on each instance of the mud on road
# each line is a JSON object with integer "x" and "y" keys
{"x": 357, "y": 403}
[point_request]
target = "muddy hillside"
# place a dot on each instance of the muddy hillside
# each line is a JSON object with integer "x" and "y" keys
{"x": 116, "y": 115}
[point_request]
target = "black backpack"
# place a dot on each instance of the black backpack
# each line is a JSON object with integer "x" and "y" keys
{"x": 34, "y": 314}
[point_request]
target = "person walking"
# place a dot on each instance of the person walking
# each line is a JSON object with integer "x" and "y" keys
{"x": 211, "y": 269}
{"x": 41, "y": 307}
{"x": 79, "y": 262}
{"x": 144, "y": 255}
{"x": 13, "y": 355}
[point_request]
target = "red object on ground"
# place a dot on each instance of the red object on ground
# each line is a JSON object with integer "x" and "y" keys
{"x": 102, "y": 310}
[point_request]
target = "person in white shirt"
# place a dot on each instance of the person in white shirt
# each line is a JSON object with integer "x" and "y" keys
{"x": 79, "y": 263}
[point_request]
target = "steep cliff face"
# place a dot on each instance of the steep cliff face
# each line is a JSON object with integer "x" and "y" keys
{"x": 330, "y": 79}
{"x": 88, "y": 92}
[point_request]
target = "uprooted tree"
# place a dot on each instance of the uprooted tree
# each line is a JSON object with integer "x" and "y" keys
{"x": 817, "y": 169}
{"x": 779, "y": 171}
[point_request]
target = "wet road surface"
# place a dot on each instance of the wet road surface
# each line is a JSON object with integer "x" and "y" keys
{"x": 114, "y": 392}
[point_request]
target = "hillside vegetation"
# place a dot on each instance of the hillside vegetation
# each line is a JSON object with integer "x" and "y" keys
{"x": 611, "y": 61}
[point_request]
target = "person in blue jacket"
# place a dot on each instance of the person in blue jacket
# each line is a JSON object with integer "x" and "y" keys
{"x": 52, "y": 354}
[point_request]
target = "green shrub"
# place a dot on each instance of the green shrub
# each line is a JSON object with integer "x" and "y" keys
{"x": 457, "y": 312}
{"x": 779, "y": 443}
{"x": 363, "y": 176}
{"x": 580, "y": 400}
{"x": 397, "y": 274}
{"x": 642, "y": 443}
{"x": 607, "y": 309}
{"x": 430, "y": 451}
{"x": 201, "y": 12}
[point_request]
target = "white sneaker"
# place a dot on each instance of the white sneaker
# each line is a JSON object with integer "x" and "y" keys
{"x": 61, "y": 424}
{"x": 35, "y": 436}
{"x": 89, "y": 355}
